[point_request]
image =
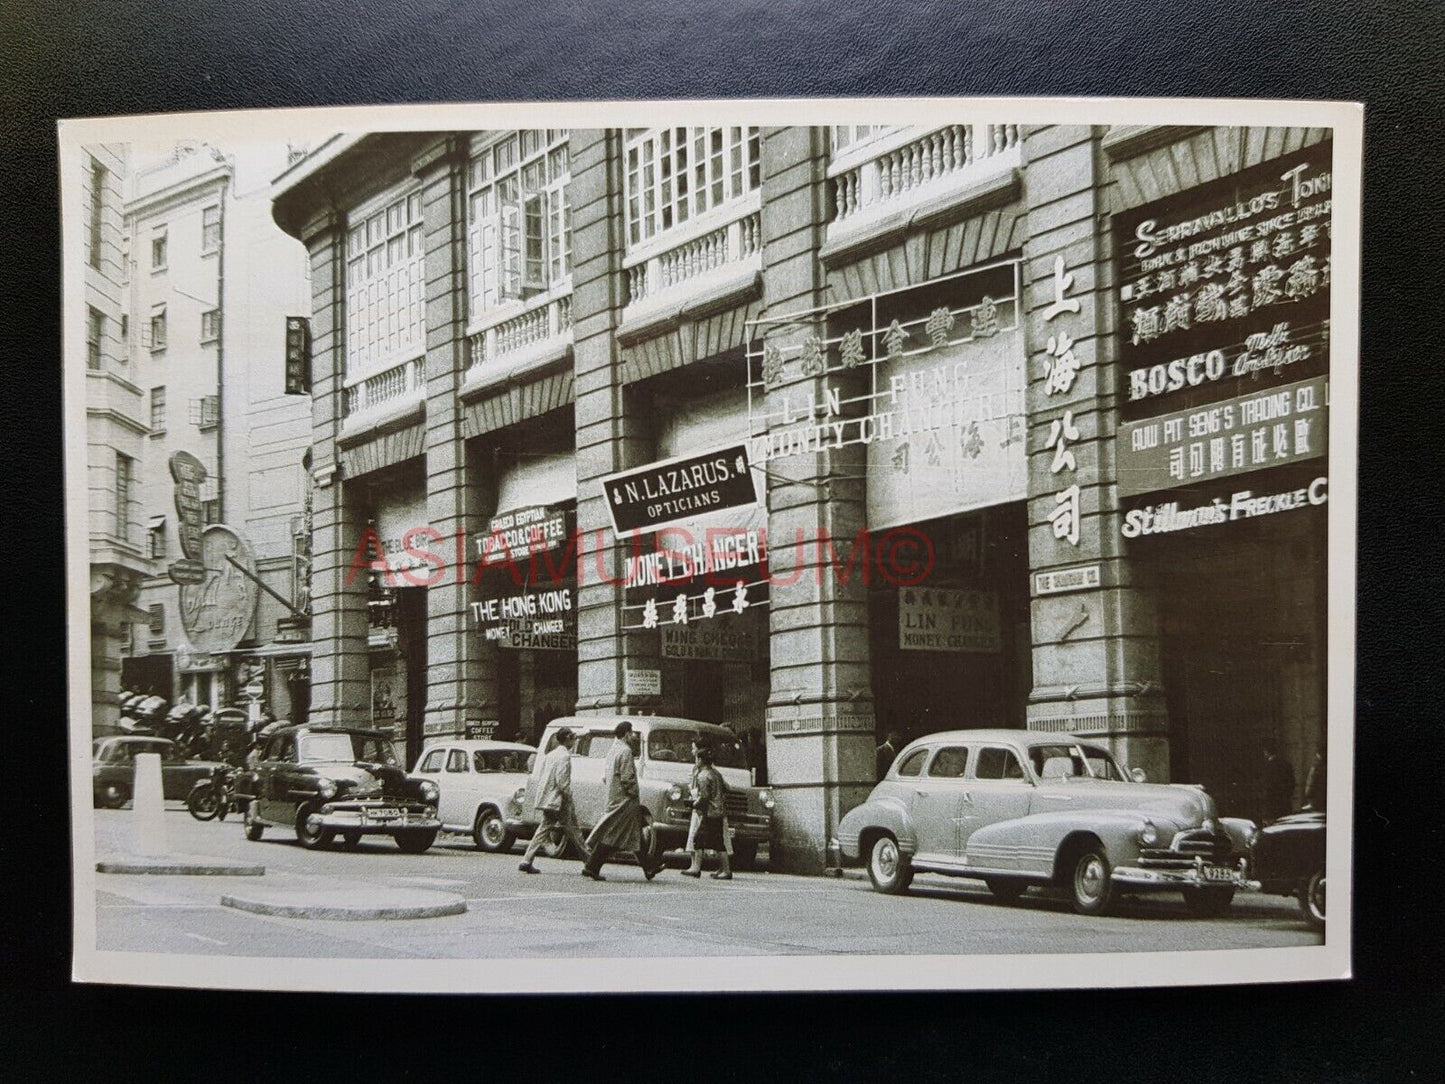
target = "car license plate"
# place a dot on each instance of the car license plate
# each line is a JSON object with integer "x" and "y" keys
{"x": 384, "y": 814}
{"x": 1218, "y": 873}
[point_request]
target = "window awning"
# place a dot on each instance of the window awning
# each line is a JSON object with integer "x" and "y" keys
{"x": 156, "y": 523}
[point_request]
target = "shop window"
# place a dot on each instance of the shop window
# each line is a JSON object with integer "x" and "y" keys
{"x": 98, "y": 177}
{"x": 385, "y": 320}
{"x": 519, "y": 230}
{"x": 995, "y": 763}
{"x": 913, "y": 764}
{"x": 94, "y": 333}
{"x": 206, "y": 411}
{"x": 676, "y": 174}
{"x": 211, "y": 229}
{"x": 159, "y": 243}
{"x": 950, "y": 762}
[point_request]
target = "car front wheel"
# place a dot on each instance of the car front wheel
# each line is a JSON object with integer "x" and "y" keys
{"x": 1208, "y": 902}
{"x": 888, "y": 868}
{"x": 415, "y": 840}
{"x": 114, "y": 795}
{"x": 1092, "y": 885}
{"x": 489, "y": 832}
{"x": 1312, "y": 900}
{"x": 309, "y": 832}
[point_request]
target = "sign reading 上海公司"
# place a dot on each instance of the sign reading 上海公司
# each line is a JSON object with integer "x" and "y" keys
{"x": 715, "y": 640}
{"x": 217, "y": 612}
{"x": 539, "y": 619}
{"x": 944, "y": 619}
{"x": 1224, "y": 288}
{"x": 298, "y": 355}
{"x": 188, "y": 473}
{"x": 642, "y": 682}
{"x": 1272, "y": 428}
{"x": 679, "y": 490}
{"x": 517, "y": 534}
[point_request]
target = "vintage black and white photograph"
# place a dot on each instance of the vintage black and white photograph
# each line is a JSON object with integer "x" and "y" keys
{"x": 890, "y": 544}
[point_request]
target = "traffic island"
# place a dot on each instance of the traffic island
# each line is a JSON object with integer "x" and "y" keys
{"x": 355, "y": 904}
{"x": 177, "y": 865}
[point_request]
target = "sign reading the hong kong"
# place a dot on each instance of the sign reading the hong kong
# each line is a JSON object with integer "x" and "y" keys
{"x": 1267, "y": 429}
{"x": 1225, "y": 288}
{"x": 940, "y": 619}
{"x": 534, "y": 618}
{"x": 680, "y": 490}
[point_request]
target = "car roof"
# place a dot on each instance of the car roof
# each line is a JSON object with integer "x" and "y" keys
{"x": 297, "y": 728}
{"x": 1017, "y": 738}
{"x": 482, "y": 745}
{"x": 639, "y": 722}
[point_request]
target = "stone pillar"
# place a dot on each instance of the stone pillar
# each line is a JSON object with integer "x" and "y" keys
{"x": 609, "y": 437}
{"x": 113, "y": 591}
{"x": 820, "y": 719}
{"x": 340, "y": 670}
{"x": 461, "y": 678}
{"x": 1096, "y": 658}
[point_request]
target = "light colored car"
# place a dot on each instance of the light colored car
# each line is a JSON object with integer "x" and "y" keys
{"x": 477, "y": 780}
{"x": 664, "y": 772}
{"x": 1019, "y": 808}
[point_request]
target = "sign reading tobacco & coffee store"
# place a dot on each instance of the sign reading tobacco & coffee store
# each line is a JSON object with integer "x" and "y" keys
{"x": 680, "y": 490}
{"x": 517, "y": 534}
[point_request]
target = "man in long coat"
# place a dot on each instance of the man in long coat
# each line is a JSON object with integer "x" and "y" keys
{"x": 554, "y": 803}
{"x": 620, "y": 827}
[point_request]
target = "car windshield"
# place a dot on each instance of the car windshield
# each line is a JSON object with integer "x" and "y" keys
{"x": 336, "y": 747}
{"x": 123, "y": 752}
{"x": 676, "y": 745}
{"x": 1070, "y": 761}
{"x": 502, "y": 760}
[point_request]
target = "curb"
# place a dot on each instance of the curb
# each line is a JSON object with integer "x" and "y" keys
{"x": 177, "y": 866}
{"x": 354, "y": 905}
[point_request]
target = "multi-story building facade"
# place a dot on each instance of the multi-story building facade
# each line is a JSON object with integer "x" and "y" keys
{"x": 115, "y": 428}
{"x": 852, "y": 430}
{"x": 211, "y": 284}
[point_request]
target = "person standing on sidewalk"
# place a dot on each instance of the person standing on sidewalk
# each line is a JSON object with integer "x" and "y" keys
{"x": 554, "y": 803}
{"x": 709, "y": 826}
{"x": 620, "y": 828}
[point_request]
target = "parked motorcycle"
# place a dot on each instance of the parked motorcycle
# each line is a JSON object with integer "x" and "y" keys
{"x": 215, "y": 796}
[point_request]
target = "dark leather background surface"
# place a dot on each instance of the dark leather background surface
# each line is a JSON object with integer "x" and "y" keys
{"x": 123, "y": 56}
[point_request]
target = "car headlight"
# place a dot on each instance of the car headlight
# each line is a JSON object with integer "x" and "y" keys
{"x": 674, "y": 794}
{"x": 429, "y": 792}
{"x": 1251, "y": 834}
{"x": 1148, "y": 833}
{"x": 326, "y": 789}
{"x": 765, "y": 796}
{"x": 1211, "y": 826}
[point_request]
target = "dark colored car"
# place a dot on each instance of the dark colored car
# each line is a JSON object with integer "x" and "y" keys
{"x": 113, "y": 769}
{"x": 1289, "y": 860}
{"x": 330, "y": 783}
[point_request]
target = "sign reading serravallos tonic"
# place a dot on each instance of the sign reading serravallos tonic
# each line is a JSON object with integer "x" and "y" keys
{"x": 1224, "y": 288}
{"x": 679, "y": 490}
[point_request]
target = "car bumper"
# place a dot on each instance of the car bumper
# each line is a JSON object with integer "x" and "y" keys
{"x": 365, "y": 819}
{"x": 672, "y": 833}
{"x": 1197, "y": 876}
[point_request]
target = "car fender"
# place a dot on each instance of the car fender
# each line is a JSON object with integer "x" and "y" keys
{"x": 887, "y": 813}
{"x": 1117, "y": 830}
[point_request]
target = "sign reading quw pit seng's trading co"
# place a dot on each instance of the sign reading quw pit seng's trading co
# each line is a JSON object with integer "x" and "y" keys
{"x": 679, "y": 490}
{"x": 941, "y": 619}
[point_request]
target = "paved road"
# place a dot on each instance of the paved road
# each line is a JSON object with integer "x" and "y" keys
{"x": 561, "y": 914}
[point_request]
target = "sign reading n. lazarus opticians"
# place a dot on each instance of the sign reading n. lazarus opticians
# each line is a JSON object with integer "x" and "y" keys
{"x": 680, "y": 490}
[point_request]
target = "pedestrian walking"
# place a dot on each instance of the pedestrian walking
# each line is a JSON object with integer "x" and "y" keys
{"x": 620, "y": 827}
{"x": 1316, "y": 786}
{"x": 708, "y": 829}
{"x": 886, "y": 752}
{"x": 1278, "y": 783}
{"x": 554, "y": 803}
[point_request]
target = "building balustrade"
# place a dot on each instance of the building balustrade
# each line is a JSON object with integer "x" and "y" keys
{"x": 730, "y": 243}
{"x": 544, "y": 322}
{"x": 382, "y": 389}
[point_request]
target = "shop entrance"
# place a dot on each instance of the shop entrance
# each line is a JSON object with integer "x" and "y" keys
{"x": 411, "y": 646}
{"x": 151, "y": 674}
{"x": 953, "y": 652}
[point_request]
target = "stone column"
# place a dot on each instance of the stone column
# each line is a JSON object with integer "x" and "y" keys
{"x": 461, "y": 679}
{"x": 113, "y": 591}
{"x": 609, "y": 437}
{"x": 340, "y": 670}
{"x": 1096, "y": 658}
{"x": 820, "y": 719}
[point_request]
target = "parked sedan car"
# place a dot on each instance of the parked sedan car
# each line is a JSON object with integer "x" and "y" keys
{"x": 1289, "y": 860}
{"x": 664, "y": 770}
{"x": 330, "y": 782}
{"x": 477, "y": 779}
{"x": 1017, "y": 809}
{"x": 113, "y": 769}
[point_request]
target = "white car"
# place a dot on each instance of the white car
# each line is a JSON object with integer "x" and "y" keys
{"x": 477, "y": 780}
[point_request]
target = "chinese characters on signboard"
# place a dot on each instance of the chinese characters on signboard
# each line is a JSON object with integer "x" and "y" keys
{"x": 1061, "y": 368}
{"x": 940, "y": 619}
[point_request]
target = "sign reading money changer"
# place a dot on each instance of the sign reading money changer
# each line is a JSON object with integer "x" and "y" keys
{"x": 680, "y": 490}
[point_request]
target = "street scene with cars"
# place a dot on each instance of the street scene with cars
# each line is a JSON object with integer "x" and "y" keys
{"x": 710, "y": 540}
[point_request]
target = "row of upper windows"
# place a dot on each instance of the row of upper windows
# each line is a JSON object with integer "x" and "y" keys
{"x": 154, "y": 335}
{"x": 210, "y": 238}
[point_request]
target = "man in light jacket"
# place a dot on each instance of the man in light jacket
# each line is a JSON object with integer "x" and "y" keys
{"x": 554, "y": 803}
{"x": 620, "y": 828}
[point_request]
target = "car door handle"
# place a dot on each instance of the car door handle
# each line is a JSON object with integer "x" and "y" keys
{"x": 1058, "y": 797}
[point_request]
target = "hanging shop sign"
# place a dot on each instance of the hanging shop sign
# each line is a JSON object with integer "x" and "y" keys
{"x": 929, "y": 379}
{"x": 942, "y": 619}
{"x": 521, "y": 532}
{"x": 400, "y": 523}
{"x": 485, "y": 729}
{"x": 1271, "y": 428}
{"x": 188, "y": 472}
{"x": 713, "y": 640}
{"x": 531, "y": 618}
{"x": 217, "y": 612}
{"x": 680, "y": 490}
{"x": 1225, "y": 288}
{"x": 717, "y": 555}
{"x": 1057, "y": 581}
{"x": 1296, "y": 489}
{"x": 298, "y": 355}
